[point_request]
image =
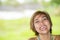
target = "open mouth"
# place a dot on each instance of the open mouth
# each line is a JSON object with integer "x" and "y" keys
{"x": 43, "y": 28}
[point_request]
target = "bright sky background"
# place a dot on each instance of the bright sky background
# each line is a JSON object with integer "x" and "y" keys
{"x": 47, "y": 0}
{"x": 16, "y": 15}
{"x": 11, "y": 15}
{"x": 21, "y": 1}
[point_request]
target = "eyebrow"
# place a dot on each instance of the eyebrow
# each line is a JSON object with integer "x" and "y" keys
{"x": 37, "y": 18}
{"x": 44, "y": 16}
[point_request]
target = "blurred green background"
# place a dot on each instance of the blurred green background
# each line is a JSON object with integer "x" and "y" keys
{"x": 15, "y": 17}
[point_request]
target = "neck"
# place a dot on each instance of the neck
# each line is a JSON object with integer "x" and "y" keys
{"x": 45, "y": 36}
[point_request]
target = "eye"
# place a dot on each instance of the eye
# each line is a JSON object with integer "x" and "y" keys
{"x": 44, "y": 18}
{"x": 36, "y": 21}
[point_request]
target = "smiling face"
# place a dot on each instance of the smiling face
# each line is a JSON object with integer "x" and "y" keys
{"x": 42, "y": 24}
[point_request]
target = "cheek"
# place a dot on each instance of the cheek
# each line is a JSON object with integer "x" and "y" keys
{"x": 47, "y": 23}
{"x": 36, "y": 26}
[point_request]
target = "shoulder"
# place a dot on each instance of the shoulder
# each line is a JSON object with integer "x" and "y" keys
{"x": 33, "y": 38}
{"x": 57, "y": 37}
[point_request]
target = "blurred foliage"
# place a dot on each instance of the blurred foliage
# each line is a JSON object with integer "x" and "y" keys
{"x": 56, "y": 2}
{"x": 9, "y": 2}
{"x": 15, "y": 29}
{"x": 34, "y": 1}
{"x": 56, "y": 25}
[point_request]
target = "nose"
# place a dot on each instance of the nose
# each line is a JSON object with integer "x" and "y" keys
{"x": 41, "y": 23}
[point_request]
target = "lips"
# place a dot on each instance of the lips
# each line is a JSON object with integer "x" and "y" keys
{"x": 43, "y": 28}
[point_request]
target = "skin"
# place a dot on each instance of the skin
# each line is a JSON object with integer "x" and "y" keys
{"x": 42, "y": 26}
{"x": 57, "y": 37}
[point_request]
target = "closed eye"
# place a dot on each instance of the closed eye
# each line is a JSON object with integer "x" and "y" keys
{"x": 36, "y": 21}
{"x": 45, "y": 18}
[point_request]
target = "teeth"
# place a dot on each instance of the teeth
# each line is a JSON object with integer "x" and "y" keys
{"x": 42, "y": 28}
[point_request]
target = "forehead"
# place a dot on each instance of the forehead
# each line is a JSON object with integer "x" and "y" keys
{"x": 39, "y": 16}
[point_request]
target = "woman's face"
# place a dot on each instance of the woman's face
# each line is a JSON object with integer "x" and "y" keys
{"x": 42, "y": 24}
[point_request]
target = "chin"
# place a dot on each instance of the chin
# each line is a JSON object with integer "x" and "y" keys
{"x": 44, "y": 32}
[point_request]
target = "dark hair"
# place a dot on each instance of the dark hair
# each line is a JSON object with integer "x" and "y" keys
{"x": 32, "y": 21}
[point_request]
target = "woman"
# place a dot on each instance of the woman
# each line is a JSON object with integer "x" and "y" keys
{"x": 41, "y": 25}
